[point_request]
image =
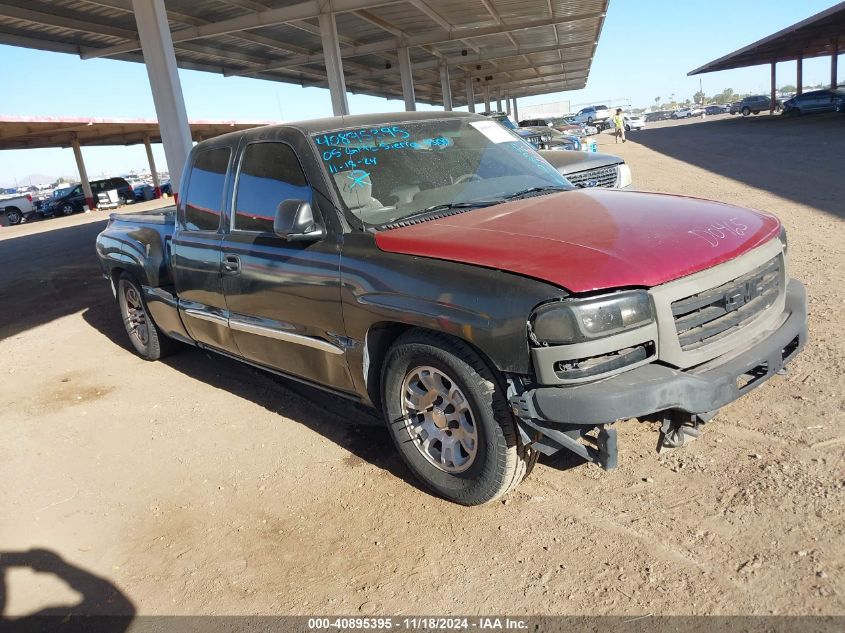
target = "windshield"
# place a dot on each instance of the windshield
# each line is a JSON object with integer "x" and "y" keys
{"x": 394, "y": 172}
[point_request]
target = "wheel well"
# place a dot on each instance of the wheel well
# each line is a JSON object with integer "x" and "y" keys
{"x": 381, "y": 336}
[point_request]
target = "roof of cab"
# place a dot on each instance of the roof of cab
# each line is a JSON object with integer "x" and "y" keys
{"x": 328, "y": 124}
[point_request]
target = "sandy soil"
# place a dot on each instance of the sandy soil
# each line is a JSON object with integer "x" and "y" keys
{"x": 201, "y": 486}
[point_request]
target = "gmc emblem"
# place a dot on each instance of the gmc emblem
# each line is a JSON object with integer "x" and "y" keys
{"x": 734, "y": 301}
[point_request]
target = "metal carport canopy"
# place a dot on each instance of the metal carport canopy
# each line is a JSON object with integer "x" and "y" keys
{"x": 817, "y": 36}
{"x": 19, "y": 132}
{"x": 512, "y": 45}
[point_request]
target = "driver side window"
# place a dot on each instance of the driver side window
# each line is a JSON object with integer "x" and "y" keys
{"x": 270, "y": 174}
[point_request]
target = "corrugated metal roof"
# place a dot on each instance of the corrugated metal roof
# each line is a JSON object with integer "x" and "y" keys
{"x": 17, "y": 132}
{"x": 816, "y": 36}
{"x": 494, "y": 40}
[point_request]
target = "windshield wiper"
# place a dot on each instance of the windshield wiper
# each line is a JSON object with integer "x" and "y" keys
{"x": 437, "y": 208}
{"x": 529, "y": 191}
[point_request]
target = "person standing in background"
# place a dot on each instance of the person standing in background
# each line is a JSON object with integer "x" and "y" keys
{"x": 619, "y": 124}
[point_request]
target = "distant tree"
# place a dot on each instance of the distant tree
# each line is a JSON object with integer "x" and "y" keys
{"x": 788, "y": 88}
{"x": 698, "y": 97}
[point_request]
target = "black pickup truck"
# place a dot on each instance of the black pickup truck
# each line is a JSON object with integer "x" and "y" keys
{"x": 436, "y": 267}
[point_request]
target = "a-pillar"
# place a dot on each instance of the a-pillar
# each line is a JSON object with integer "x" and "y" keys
{"x": 515, "y": 110}
{"x": 799, "y": 71}
{"x": 160, "y": 60}
{"x": 470, "y": 94}
{"x": 834, "y": 60}
{"x": 83, "y": 175}
{"x": 152, "y": 162}
{"x": 407, "y": 78}
{"x": 446, "y": 88}
{"x": 334, "y": 63}
{"x": 774, "y": 92}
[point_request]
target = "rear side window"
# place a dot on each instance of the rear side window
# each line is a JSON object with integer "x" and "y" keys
{"x": 270, "y": 174}
{"x": 204, "y": 198}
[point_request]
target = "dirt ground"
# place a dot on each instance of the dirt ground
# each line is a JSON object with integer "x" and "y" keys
{"x": 202, "y": 486}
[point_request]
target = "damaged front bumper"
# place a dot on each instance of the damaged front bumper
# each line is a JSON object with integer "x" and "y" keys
{"x": 551, "y": 418}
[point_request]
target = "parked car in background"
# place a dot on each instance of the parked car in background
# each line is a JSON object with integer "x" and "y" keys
{"x": 17, "y": 208}
{"x": 534, "y": 123}
{"x": 74, "y": 200}
{"x": 685, "y": 113}
{"x": 561, "y": 141}
{"x": 633, "y": 122}
{"x": 568, "y": 125}
{"x": 814, "y": 102}
{"x": 537, "y": 139}
{"x": 734, "y": 107}
{"x": 660, "y": 115}
{"x": 591, "y": 169}
{"x": 757, "y": 104}
{"x": 716, "y": 109}
{"x": 594, "y": 115}
{"x": 144, "y": 192}
{"x": 462, "y": 288}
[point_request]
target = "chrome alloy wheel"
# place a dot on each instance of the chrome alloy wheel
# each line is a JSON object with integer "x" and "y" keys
{"x": 135, "y": 316}
{"x": 439, "y": 420}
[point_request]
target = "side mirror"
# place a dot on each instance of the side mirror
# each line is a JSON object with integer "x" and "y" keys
{"x": 295, "y": 222}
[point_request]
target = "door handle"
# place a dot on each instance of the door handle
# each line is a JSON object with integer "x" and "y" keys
{"x": 231, "y": 265}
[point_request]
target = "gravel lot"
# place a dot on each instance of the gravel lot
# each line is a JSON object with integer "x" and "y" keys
{"x": 201, "y": 486}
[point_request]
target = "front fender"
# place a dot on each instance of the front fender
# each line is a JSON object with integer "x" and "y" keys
{"x": 485, "y": 307}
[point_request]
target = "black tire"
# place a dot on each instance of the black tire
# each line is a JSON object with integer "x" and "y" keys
{"x": 121, "y": 200}
{"x": 746, "y": 111}
{"x": 756, "y": 112}
{"x": 66, "y": 209}
{"x": 154, "y": 345}
{"x": 500, "y": 462}
{"x": 13, "y": 215}
{"x": 589, "y": 120}
{"x": 627, "y": 128}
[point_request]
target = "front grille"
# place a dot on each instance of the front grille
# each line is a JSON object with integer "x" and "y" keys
{"x": 603, "y": 176}
{"x": 711, "y": 315}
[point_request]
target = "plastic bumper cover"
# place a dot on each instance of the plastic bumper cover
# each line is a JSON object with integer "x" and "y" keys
{"x": 653, "y": 388}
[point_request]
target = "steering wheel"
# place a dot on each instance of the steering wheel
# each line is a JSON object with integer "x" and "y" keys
{"x": 466, "y": 178}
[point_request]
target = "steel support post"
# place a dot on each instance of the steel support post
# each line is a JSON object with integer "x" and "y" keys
{"x": 446, "y": 88}
{"x": 407, "y": 78}
{"x": 83, "y": 175}
{"x": 470, "y": 94}
{"x": 334, "y": 63}
{"x": 152, "y": 162}
{"x": 160, "y": 60}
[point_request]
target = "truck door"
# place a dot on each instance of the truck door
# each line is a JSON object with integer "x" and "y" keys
{"x": 195, "y": 252}
{"x": 283, "y": 297}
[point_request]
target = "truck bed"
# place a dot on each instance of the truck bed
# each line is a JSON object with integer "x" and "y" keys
{"x": 139, "y": 243}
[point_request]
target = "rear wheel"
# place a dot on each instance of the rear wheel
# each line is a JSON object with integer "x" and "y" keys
{"x": 146, "y": 338}
{"x": 450, "y": 419}
{"x": 746, "y": 111}
{"x": 14, "y": 215}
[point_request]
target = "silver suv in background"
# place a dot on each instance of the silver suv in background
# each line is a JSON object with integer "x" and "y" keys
{"x": 594, "y": 115}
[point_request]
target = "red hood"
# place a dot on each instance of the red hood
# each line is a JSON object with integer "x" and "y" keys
{"x": 591, "y": 239}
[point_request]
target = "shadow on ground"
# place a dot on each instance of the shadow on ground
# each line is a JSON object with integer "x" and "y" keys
{"x": 801, "y": 159}
{"x": 102, "y": 606}
{"x": 48, "y": 275}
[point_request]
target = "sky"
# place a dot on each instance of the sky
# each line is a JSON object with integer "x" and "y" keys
{"x": 645, "y": 50}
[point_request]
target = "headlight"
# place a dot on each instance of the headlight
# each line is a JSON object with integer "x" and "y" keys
{"x": 782, "y": 237}
{"x": 581, "y": 320}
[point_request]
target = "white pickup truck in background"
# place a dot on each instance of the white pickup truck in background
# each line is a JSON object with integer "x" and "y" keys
{"x": 15, "y": 208}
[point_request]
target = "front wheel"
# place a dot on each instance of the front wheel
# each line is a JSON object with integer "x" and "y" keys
{"x": 146, "y": 338}
{"x": 67, "y": 209}
{"x": 746, "y": 111}
{"x": 450, "y": 419}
